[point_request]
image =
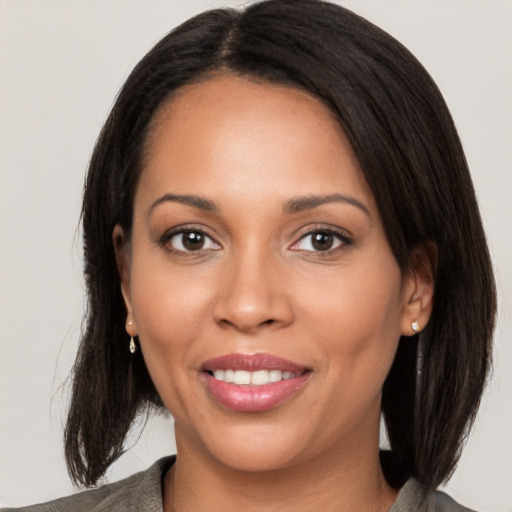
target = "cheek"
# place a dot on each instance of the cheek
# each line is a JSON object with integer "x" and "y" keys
{"x": 168, "y": 310}
{"x": 357, "y": 313}
{"x": 168, "y": 307}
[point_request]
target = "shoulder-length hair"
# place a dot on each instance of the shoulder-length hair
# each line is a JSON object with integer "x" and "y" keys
{"x": 405, "y": 140}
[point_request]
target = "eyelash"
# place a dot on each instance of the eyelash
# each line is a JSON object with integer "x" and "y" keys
{"x": 169, "y": 235}
{"x": 341, "y": 235}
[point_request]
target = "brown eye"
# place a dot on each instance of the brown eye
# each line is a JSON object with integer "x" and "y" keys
{"x": 191, "y": 240}
{"x": 321, "y": 241}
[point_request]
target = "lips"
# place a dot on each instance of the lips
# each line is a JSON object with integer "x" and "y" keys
{"x": 253, "y": 383}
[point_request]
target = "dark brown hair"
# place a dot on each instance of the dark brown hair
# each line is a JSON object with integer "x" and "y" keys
{"x": 411, "y": 156}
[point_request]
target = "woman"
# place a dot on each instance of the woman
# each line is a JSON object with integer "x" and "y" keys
{"x": 278, "y": 250}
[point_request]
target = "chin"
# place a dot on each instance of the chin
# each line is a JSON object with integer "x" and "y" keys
{"x": 253, "y": 458}
{"x": 246, "y": 446}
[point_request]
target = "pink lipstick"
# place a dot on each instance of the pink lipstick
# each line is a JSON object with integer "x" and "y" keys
{"x": 253, "y": 383}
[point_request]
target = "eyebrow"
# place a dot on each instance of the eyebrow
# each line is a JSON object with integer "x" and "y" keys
{"x": 301, "y": 203}
{"x": 294, "y": 205}
{"x": 198, "y": 202}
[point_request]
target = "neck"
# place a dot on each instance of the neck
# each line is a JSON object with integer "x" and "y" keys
{"x": 345, "y": 480}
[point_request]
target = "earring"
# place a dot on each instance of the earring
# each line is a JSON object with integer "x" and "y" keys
{"x": 415, "y": 326}
{"x": 133, "y": 346}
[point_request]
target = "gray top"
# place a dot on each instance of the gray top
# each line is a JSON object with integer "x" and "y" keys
{"x": 143, "y": 492}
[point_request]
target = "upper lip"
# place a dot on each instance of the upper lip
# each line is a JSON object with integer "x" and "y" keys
{"x": 252, "y": 362}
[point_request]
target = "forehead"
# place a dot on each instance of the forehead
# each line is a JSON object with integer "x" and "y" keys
{"x": 231, "y": 133}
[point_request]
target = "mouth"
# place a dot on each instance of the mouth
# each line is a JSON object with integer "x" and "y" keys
{"x": 253, "y": 383}
{"x": 255, "y": 378}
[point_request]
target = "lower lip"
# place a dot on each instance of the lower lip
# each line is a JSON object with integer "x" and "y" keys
{"x": 245, "y": 398}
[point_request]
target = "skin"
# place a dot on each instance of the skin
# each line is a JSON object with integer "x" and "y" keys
{"x": 259, "y": 286}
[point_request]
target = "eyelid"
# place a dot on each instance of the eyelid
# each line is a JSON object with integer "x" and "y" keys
{"x": 344, "y": 236}
{"x": 164, "y": 240}
{"x": 341, "y": 234}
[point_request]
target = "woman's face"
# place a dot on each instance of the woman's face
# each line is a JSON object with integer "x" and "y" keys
{"x": 258, "y": 256}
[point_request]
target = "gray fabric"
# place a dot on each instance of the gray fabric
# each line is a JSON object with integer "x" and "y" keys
{"x": 143, "y": 492}
{"x": 412, "y": 497}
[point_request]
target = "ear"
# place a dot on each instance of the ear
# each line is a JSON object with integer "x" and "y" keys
{"x": 123, "y": 261}
{"x": 418, "y": 289}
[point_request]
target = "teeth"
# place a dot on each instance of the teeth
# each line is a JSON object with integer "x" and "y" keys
{"x": 260, "y": 377}
{"x": 257, "y": 378}
{"x": 275, "y": 375}
{"x": 242, "y": 377}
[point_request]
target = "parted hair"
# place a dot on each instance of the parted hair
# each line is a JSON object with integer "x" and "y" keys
{"x": 408, "y": 149}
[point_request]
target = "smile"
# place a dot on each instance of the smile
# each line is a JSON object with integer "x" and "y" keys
{"x": 253, "y": 383}
{"x": 257, "y": 378}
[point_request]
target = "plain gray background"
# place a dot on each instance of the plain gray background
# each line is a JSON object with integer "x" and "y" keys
{"x": 61, "y": 65}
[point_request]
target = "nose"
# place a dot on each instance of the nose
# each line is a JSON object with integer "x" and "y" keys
{"x": 253, "y": 294}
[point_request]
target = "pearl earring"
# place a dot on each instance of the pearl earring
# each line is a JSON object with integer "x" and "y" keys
{"x": 133, "y": 346}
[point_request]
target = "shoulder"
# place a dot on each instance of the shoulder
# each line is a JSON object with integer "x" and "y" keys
{"x": 414, "y": 497}
{"x": 141, "y": 491}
